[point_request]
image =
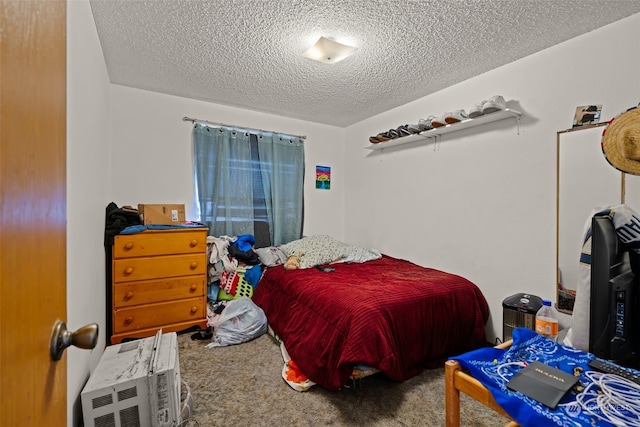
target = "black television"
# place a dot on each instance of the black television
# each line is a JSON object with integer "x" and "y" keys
{"x": 614, "y": 315}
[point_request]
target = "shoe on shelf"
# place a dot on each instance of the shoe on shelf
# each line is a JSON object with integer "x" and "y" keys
{"x": 439, "y": 121}
{"x": 415, "y": 128}
{"x": 495, "y": 103}
{"x": 476, "y": 110}
{"x": 404, "y": 130}
{"x": 393, "y": 134}
{"x": 382, "y": 137}
{"x": 374, "y": 140}
{"x": 455, "y": 117}
{"x": 426, "y": 124}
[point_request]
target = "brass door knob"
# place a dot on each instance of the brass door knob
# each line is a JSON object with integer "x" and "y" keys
{"x": 86, "y": 337}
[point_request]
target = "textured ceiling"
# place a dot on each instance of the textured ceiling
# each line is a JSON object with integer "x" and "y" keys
{"x": 248, "y": 53}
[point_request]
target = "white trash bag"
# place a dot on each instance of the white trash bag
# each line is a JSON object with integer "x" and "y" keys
{"x": 240, "y": 321}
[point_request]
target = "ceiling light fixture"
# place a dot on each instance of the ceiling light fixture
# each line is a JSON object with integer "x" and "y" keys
{"x": 328, "y": 51}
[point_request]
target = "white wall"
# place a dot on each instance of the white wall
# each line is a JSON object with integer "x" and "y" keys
{"x": 483, "y": 204}
{"x": 152, "y": 153}
{"x": 88, "y": 172}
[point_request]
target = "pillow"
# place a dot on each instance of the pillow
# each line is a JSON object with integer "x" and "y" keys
{"x": 271, "y": 255}
{"x": 315, "y": 250}
{"x": 358, "y": 254}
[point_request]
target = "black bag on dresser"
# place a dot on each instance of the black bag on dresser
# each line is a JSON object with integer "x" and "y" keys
{"x": 117, "y": 219}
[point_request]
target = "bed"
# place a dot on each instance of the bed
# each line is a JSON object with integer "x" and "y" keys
{"x": 386, "y": 313}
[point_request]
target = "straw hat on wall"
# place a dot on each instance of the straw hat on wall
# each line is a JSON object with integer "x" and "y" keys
{"x": 621, "y": 142}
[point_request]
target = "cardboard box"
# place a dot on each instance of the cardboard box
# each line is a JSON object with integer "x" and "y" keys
{"x": 162, "y": 214}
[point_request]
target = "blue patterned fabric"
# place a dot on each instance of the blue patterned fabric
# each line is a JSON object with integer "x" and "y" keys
{"x": 133, "y": 229}
{"x": 494, "y": 368}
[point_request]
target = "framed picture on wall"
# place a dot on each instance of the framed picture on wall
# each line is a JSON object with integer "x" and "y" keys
{"x": 323, "y": 177}
{"x": 587, "y": 115}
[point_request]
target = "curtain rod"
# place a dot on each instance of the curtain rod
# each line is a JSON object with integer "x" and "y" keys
{"x": 189, "y": 119}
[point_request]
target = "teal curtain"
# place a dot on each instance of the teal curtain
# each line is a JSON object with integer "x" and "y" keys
{"x": 282, "y": 167}
{"x": 224, "y": 167}
{"x": 224, "y": 184}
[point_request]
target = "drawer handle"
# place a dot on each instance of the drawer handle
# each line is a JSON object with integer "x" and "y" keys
{"x": 128, "y": 245}
{"x": 128, "y": 295}
{"x": 194, "y": 309}
{"x": 128, "y": 320}
{"x": 194, "y": 287}
{"x": 128, "y": 270}
{"x": 194, "y": 265}
{"x": 193, "y": 243}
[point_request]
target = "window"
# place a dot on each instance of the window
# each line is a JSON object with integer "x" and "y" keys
{"x": 249, "y": 183}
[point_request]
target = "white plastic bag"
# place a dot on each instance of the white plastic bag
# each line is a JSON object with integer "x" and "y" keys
{"x": 240, "y": 321}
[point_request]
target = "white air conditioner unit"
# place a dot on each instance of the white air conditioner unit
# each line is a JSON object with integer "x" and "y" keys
{"x": 136, "y": 384}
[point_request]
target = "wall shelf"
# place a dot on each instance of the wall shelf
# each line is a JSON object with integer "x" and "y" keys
{"x": 434, "y": 133}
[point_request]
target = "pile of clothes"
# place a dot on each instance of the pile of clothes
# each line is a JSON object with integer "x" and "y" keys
{"x": 234, "y": 268}
{"x": 233, "y": 272}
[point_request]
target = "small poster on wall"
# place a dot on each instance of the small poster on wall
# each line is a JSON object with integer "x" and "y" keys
{"x": 587, "y": 115}
{"x": 323, "y": 177}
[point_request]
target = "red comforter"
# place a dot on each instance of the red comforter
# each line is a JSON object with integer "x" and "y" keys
{"x": 388, "y": 314}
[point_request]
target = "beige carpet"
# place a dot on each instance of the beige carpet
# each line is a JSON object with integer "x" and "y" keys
{"x": 241, "y": 385}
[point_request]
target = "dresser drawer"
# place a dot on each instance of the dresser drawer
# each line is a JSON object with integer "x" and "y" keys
{"x": 158, "y": 281}
{"x": 155, "y": 242}
{"x": 134, "y": 293}
{"x": 151, "y": 315}
{"x": 132, "y": 269}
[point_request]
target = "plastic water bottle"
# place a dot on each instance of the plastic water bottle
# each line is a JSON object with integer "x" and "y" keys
{"x": 546, "y": 321}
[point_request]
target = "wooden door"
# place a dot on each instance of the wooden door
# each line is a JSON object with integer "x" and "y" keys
{"x": 32, "y": 210}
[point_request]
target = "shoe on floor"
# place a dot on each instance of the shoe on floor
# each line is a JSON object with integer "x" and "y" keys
{"x": 495, "y": 103}
{"x": 455, "y": 117}
{"x": 439, "y": 121}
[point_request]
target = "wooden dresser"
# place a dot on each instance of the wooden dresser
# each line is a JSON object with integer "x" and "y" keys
{"x": 159, "y": 280}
